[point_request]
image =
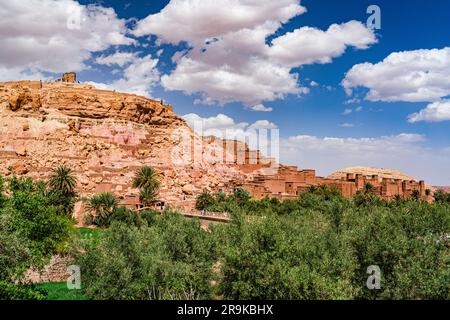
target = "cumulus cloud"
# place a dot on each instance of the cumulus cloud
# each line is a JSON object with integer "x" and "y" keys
{"x": 220, "y": 122}
{"x": 259, "y": 80}
{"x": 263, "y": 124}
{"x": 138, "y": 77}
{"x": 229, "y": 59}
{"x": 223, "y": 126}
{"x": 9, "y": 74}
{"x": 56, "y": 36}
{"x": 410, "y": 76}
{"x": 261, "y": 135}
{"x": 197, "y": 20}
{"x": 310, "y": 45}
{"x": 434, "y": 112}
{"x": 118, "y": 58}
{"x": 260, "y": 107}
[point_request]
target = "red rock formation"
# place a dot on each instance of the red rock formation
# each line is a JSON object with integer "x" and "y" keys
{"x": 105, "y": 136}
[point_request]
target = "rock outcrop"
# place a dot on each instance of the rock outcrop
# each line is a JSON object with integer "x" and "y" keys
{"x": 105, "y": 136}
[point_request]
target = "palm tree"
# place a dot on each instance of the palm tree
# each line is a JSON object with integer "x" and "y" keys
{"x": 241, "y": 195}
{"x": 62, "y": 180}
{"x": 147, "y": 195}
{"x": 415, "y": 194}
{"x": 204, "y": 200}
{"x": 146, "y": 177}
{"x": 102, "y": 204}
{"x": 368, "y": 187}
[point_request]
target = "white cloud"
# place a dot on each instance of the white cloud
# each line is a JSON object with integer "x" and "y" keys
{"x": 118, "y": 58}
{"x": 263, "y": 124}
{"x": 346, "y": 125}
{"x": 313, "y": 84}
{"x": 391, "y": 152}
{"x": 17, "y": 73}
{"x": 138, "y": 77}
{"x": 223, "y": 126}
{"x": 310, "y": 45}
{"x": 410, "y": 76}
{"x": 56, "y": 36}
{"x": 434, "y": 112}
{"x": 260, "y": 107}
{"x": 347, "y": 112}
{"x": 220, "y": 122}
{"x": 230, "y": 60}
{"x": 352, "y": 101}
{"x": 257, "y": 81}
{"x": 197, "y": 20}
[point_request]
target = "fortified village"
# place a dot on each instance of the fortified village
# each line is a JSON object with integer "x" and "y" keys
{"x": 105, "y": 136}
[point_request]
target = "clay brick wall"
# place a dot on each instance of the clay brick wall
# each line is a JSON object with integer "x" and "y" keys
{"x": 289, "y": 182}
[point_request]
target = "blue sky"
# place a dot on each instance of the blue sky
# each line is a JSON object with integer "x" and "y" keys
{"x": 398, "y": 114}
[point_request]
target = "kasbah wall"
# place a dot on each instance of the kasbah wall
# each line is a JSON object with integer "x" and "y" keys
{"x": 288, "y": 182}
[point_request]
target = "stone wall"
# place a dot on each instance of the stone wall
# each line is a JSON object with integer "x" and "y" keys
{"x": 54, "y": 271}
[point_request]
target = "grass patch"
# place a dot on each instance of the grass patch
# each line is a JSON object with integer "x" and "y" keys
{"x": 59, "y": 291}
{"x": 90, "y": 233}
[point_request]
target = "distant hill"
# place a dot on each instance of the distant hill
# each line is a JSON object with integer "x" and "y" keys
{"x": 368, "y": 171}
{"x": 446, "y": 189}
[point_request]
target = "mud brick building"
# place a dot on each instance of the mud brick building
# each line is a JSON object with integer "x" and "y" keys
{"x": 289, "y": 182}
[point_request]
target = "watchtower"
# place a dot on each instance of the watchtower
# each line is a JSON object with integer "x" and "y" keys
{"x": 69, "y": 77}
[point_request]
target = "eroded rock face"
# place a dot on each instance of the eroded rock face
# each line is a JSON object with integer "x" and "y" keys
{"x": 84, "y": 101}
{"x": 104, "y": 136}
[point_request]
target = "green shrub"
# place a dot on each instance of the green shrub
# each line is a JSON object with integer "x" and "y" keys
{"x": 320, "y": 246}
{"x": 171, "y": 259}
{"x": 31, "y": 230}
{"x": 204, "y": 200}
{"x": 11, "y": 291}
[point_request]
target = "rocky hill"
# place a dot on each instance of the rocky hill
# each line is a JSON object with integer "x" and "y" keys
{"x": 104, "y": 136}
{"x": 368, "y": 171}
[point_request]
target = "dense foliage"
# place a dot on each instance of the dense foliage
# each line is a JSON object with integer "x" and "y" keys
{"x": 318, "y": 246}
{"x": 32, "y": 228}
{"x": 167, "y": 257}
